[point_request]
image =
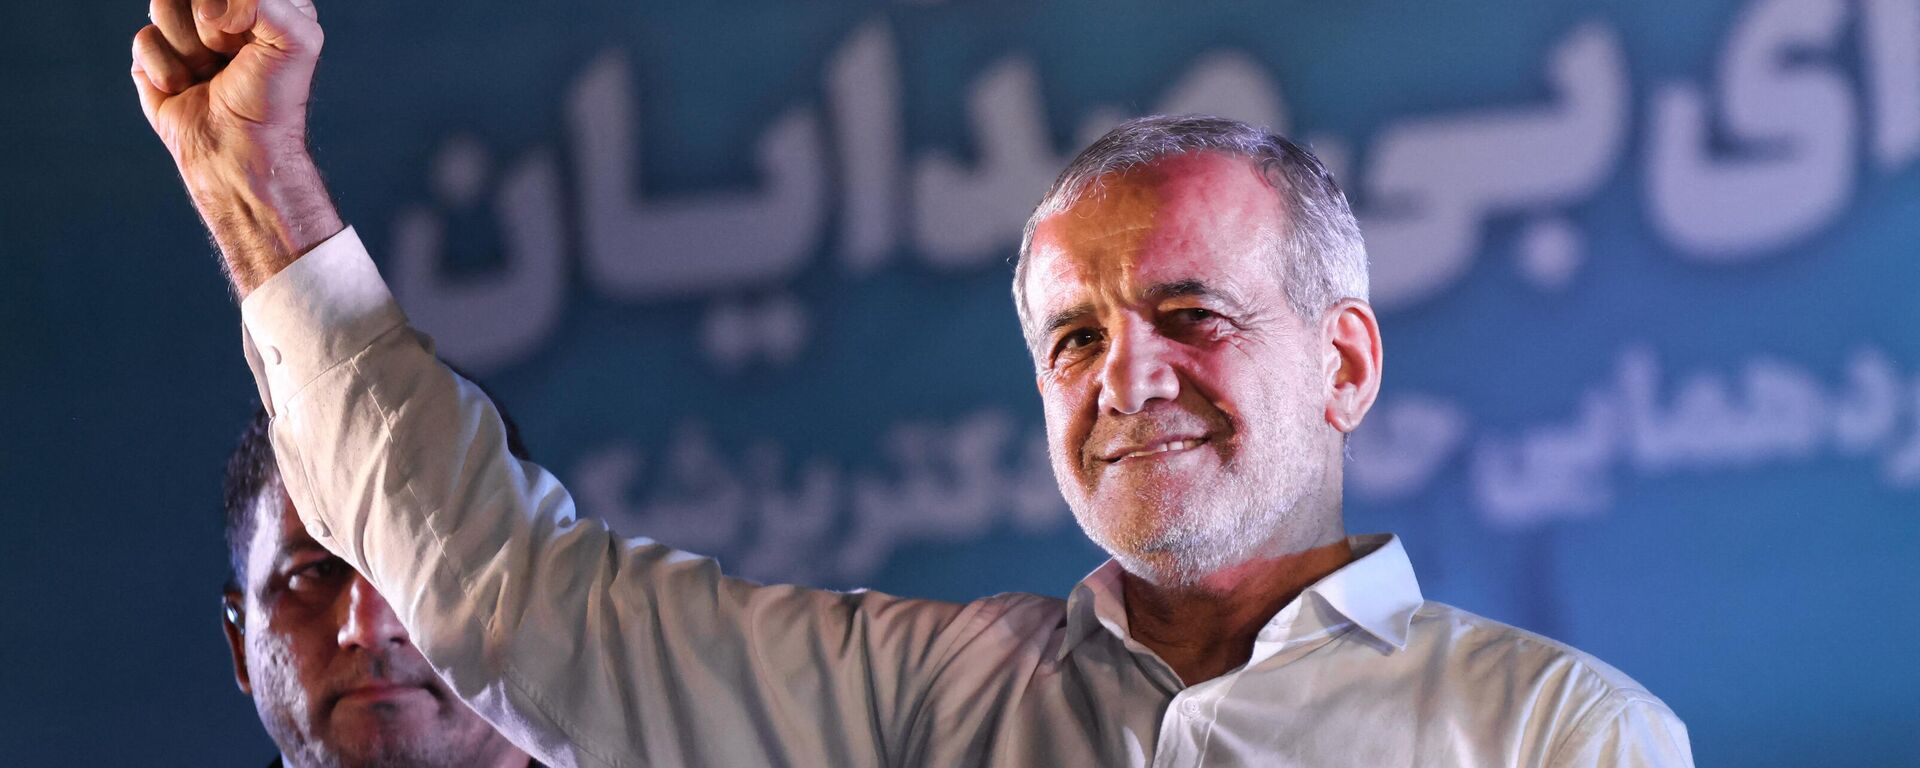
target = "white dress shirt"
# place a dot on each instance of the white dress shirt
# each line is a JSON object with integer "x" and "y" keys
{"x": 588, "y": 648}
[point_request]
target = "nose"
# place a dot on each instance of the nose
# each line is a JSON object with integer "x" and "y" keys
{"x": 370, "y": 622}
{"x": 1137, "y": 370}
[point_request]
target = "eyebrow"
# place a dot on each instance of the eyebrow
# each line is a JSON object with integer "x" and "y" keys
{"x": 1157, "y": 293}
{"x": 1185, "y": 288}
{"x": 292, "y": 549}
{"x": 1064, "y": 318}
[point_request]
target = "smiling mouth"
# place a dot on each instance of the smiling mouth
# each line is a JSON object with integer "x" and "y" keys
{"x": 1159, "y": 448}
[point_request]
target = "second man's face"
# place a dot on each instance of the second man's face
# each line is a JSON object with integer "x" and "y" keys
{"x": 1184, "y": 397}
{"x": 335, "y": 677}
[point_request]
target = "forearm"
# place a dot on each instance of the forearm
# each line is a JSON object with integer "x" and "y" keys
{"x": 263, "y": 208}
{"x": 225, "y": 87}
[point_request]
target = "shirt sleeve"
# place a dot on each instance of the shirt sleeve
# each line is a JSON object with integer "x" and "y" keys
{"x": 584, "y": 647}
{"x": 1628, "y": 729}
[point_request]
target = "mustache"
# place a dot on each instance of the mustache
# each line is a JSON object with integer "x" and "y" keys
{"x": 1152, "y": 424}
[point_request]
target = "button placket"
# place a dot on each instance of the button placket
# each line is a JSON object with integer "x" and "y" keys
{"x": 1183, "y": 731}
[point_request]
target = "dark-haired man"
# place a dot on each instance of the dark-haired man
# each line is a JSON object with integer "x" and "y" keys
{"x": 332, "y": 672}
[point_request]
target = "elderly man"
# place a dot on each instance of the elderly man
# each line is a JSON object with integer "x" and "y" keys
{"x": 331, "y": 670}
{"x": 1193, "y": 294}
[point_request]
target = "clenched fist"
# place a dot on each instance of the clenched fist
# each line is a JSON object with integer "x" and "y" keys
{"x": 225, "y": 84}
{"x": 212, "y": 72}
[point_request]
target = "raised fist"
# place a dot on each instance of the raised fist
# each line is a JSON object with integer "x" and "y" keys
{"x": 225, "y": 84}
{"x": 227, "y": 77}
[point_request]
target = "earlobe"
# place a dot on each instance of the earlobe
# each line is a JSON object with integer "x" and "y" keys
{"x": 1353, "y": 335}
{"x": 233, "y": 618}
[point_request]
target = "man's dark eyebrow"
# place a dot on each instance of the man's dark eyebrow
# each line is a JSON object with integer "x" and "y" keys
{"x": 1064, "y": 318}
{"x": 284, "y": 553}
{"x": 288, "y": 549}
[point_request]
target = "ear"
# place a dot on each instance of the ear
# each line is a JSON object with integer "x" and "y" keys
{"x": 1353, "y": 362}
{"x": 233, "y": 619}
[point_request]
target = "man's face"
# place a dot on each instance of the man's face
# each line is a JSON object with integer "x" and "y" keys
{"x": 1185, "y": 400}
{"x": 331, "y": 670}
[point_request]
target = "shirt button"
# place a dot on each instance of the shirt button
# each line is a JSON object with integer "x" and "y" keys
{"x": 1190, "y": 708}
{"x": 318, "y": 529}
{"x": 273, "y": 355}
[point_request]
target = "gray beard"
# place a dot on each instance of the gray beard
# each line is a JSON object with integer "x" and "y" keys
{"x": 1268, "y": 510}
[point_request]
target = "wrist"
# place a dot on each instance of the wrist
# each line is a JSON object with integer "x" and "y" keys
{"x": 264, "y": 210}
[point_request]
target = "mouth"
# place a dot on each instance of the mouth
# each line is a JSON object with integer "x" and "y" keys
{"x": 1160, "y": 448}
{"x": 380, "y": 692}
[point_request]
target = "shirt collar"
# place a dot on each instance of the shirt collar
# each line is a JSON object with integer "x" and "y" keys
{"x": 1095, "y": 604}
{"x": 1377, "y": 592}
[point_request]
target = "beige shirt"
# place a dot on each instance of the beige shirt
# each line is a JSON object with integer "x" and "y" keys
{"x": 590, "y": 648}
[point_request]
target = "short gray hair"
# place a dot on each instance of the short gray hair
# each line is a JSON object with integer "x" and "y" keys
{"x": 1323, "y": 257}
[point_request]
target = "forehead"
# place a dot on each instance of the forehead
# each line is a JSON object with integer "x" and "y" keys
{"x": 1201, "y": 215}
{"x": 276, "y": 528}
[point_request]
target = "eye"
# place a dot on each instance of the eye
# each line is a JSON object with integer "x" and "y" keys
{"x": 1194, "y": 324}
{"x": 1080, "y": 338}
{"x": 319, "y": 572}
{"x": 1076, "y": 340}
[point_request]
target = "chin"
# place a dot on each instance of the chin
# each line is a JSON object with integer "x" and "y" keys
{"x": 1173, "y": 568}
{"x": 387, "y": 748}
{"x": 1182, "y": 532}
{"x": 1159, "y": 544}
{"x": 370, "y": 741}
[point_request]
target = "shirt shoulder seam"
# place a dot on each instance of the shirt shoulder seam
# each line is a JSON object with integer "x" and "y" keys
{"x": 1616, "y": 701}
{"x": 1613, "y": 680}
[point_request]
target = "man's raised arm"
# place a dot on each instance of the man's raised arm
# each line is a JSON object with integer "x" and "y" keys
{"x": 581, "y": 646}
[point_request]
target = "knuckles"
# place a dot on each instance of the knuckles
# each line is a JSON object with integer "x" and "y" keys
{"x": 256, "y": 112}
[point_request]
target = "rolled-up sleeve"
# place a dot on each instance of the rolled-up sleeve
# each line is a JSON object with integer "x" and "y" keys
{"x": 582, "y": 646}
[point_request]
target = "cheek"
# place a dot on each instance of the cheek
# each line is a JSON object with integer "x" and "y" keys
{"x": 273, "y": 665}
{"x": 1253, "y": 394}
{"x": 1286, "y": 401}
{"x": 1220, "y": 379}
{"x": 1067, "y": 406}
{"x": 290, "y": 662}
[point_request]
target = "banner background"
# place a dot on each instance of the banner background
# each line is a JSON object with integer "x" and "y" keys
{"x": 1645, "y": 269}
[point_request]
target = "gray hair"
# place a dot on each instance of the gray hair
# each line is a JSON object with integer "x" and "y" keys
{"x": 1323, "y": 257}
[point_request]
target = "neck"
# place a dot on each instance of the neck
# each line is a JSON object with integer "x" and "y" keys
{"x": 1207, "y": 628}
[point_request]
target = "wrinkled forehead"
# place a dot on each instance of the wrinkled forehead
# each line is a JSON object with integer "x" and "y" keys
{"x": 1194, "y": 216}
